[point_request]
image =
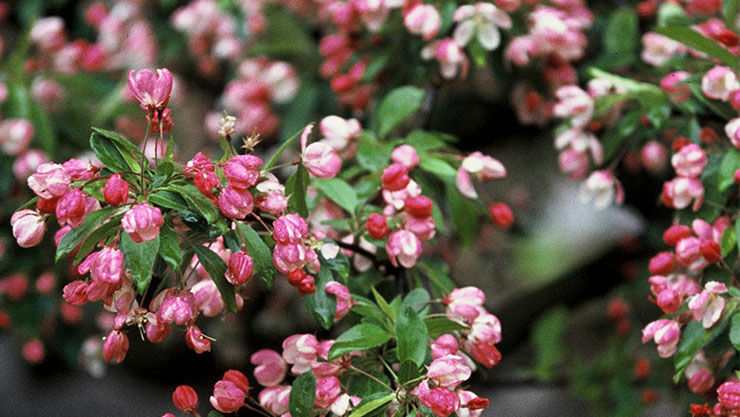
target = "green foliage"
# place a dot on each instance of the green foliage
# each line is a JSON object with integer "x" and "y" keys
{"x": 320, "y": 304}
{"x": 216, "y": 268}
{"x": 397, "y": 106}
{"x": 412, "y": 337}
{"x": 260, "y": 253}
{"x": 339, "y": 192}
{"x": 360, "y": 337}
{"x": 696, "y": 40}
{"x": 547, "y": 339}
{"x": 295, "y": 189}
{"x": 139, "y": 259}
{"x": 302, "y": 395}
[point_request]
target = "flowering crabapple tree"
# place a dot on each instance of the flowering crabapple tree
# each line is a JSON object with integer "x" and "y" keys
{"x": 161, "y": 243}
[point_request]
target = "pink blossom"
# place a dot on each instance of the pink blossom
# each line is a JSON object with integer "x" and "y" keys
{"x": 573, "y": 163}
{"x": 603, "y": 189}
{"x": 732, "y": 130}
{"x": 321, "y": 160}
{"x": 234, "y": 203}
{"x": 719, "y": 82}
{"x": 483, "y": 166}
{"x": 672, "y": 84}
{"x": 423, "y": 20}
{"x": 156, "y": 330}
{"x": 405, "y": 155}
{"x": 177, "y": 308}
{"x": 485, "y": 328}
{"x": 327, "y": 390}
{"x": 444, "y": 345}
{"x": 728, "y": 395}
{"x": 275, "y": 399}
{"x": 107, "y": 265}
{"x": 701, "y": 380}
{"x": 289, "y": 257}
{"x": 75, "y": 293}
{"x": 300, "y": 350}
{"x": 242, "y": 172}
{"x": 395, "y": 177}
{"x": 196, "y": 341}
{"x": 28, "y": 227}
{"x": 270, "y": 369}
{"x": 185, "y": 399}
{"x": 50, "y": 180}
{"x": 152, "y": 91}
{"x": 344, "y": 298}
{"x": 520, "y": 49}
{"x": 448, "y": 371}
{"x": 708, "y": 305}
{"x": 115, "y": 347}
{"x": 206, "y": 298}
{"x": 26, "y": 164}
{"x": 424, "y": 228}
{"x": 79, "y": 169}
{"x": 653, "y": 156}
{"x": 442, "y": 401}
{"x": 658, "y": 49}
{"x": 240, "y": 268}
{"x": 289, "y": 228}
{"x": 48, "y": 33}
{"x": 227, "y": 397}
{"x": 665, "y": 333}
{"x": 483, "y": 20}
{"x": 338, "y": 132}
{"x": 403, "y": 247}
{"x": 15, "y": 136}
{"x": 679, "y": 192}
{"x": 70, "y": 208}
{"x": 450, "y": 56}
{"x": 142, "y": 222}
{"x": 574, "y": 103}
{"x": 465, "y": 303}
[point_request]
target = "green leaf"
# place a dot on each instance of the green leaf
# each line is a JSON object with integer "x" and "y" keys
{"x": 603, "y": 104}
{"x": 130, "y": 152}
{"x": 730, "y": 163}
{"x": 107, "y": 152}
{"x": 168, "y": 199}
{"x": 338, "y": 191}
{"x": 412, "y": 337}
{"x": 360, "y": 337}
{"x": 436, "y": 327}
{"x": 274, "y": 158}
{"x": 216, "y": 268}
{"x": 303, "y": 394}
{"x": 547, "y": 338}
{"x": 438, "y": 168}
{"x": 696, "y": 40}
{"x": 722, "y": 109}
{"x": 169, "y": 247}
{"x": 96, "y": 237}
{"x": 670, "y": 14}
{"x": 464, "y": 213}
{"x": 370, "y": 406}
{"x": 260, "y": 253}
{"x": 321, "y": 305}
{"x": 424, "y": 141}
{"x": 75, "y": 236}
{"x": 139, "y": 259}
{"x": 214, "y": 413}
{"x": 728, "y": 240}
{"x": 408, "y": 371}
{"x": 693, "y": 338}
{"x": 417, "y": 299}
{"x": 621, "y": 31}
{"x": 384, "y": 306}
{"x": 339, "y": 264}
{"x": 370, "y": 154}
{"x": 397, "y": 106}
{"x": 735, "y": 331}
{"x": 438, "y": 272}
{"x": 730, "y": 9}
{"x": 295, "y": 189}
{"x": 44, "y": 131}
{"x": 198, "y": 201}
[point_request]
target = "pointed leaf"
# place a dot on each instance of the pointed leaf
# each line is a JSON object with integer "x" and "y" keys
{"x": 412, "y": 337}
{"x": 360, "y": 337}
{"x": 75, "y": 236}
{"x": 139, "y": 259}
{"x": 338, "y": 191}
{"x": 261, "y": 255}
{"x": 302, "y": 395}
{"x": 169, "y": 247}
{"x": 320, "y": 304}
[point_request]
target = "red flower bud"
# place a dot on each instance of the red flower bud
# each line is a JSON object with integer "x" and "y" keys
{"x": 238, "y": 379}
{"x": 675, "y": 233}
{"x": 419, "y": 206}
{"x": 377, "y": 226}
{"x": 711, "y": 251}
{"x": 478, "y": 403}
{"x": 240, "y": 268}
{"x": 116, "y": 190}
{"x": 307, "y": 286}
{"x": 395, "y": 177}
{"x": 501, "y": 214}
{"x": 185, "y": 399}
{"x": 661, "y": 264}
{"x": 296, "y": 277}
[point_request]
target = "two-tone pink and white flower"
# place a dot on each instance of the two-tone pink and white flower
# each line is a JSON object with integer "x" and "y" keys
{"x": 481, "y": 20}
{"x": 708, "y": 305}
{"x": 666, "y": 334}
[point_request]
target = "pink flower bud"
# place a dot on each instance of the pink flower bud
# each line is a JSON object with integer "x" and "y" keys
{"x": 206, "y": 298}
{"x": 679, "y": 192}
{"x": 75, "y": 293}
{"x": 603, "y": 188}
{"x": 48, "y": 33}
{"x": 289, "y": 257}
{"x": 344, "y": 298}
{"x": 327, "y": 390}
{"x": 28, "y": 227}
{"x": 177, "y": 308}
{"x": 238, "y": 378}
{"x": 671, "y": 84}
{"x": 574, "y": 103}
{"x": 483, "y": 166}
{"x": 50, "y": 180}
{"x": 728, "y": 395}
{"x": 115, "y": 347}
{"x": 300, "y": 350}
{"x": 270, "y": 369}
{"x": 156, "y": 330}
{"x": 395, "y": 177}
{"x": 403, "y": 247}
{"x": 142, "y": 222}
{"x": 195, "y": 340}
{"x": 719, "y": 82}
{"x": 448, "y": 371}
{"x": 26, "y": 164}
{"x": 185, "y": 399}
{"x": 227, "y": 397}
{"x": 450, "y": 56}
{"x": 71, "y": 208}
{"x": 275, "y": 399}
{"x": 661, "y": 264}
{"x": 423, "y": 20}
{"x": 501, "y": 215}
{"x": 289, "y": 228}
{"x": 79, "y": 169}
{"x": 152, "y": 91}
{"x": 107, "y": 265}
{"x": 422, "y": 228}
{"x": 658, "y": 49}
{"x": 689, "y": 161}
{"x": 653, "y": 156}
{"x": 441, "y": 401}
{"x": 338, "y": 132}
{"x": 405, "y": 155}
{"x": 669, "y": 300}
{"x": 15, "y": 135}
{"x": 33, "y": 351}
{"x": 240, "y": 268}
{"x": 234, "y": 203}
{"x": 321, "y": 160}
{"x": 665, "y": 333}
{"x": 242, "y": 171}
{"x": 701, "y": 381}
{"x": 116, "y": 190}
